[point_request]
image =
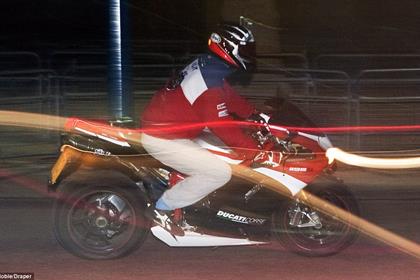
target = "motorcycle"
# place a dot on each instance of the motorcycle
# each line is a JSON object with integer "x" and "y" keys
{"x": 104, "y": 185}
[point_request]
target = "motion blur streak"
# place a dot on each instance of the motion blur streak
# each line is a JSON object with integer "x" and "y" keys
{"x": 40, "y": 121}
{"x": 25, "y": 182}
{"x": 364, "y": 226}
{"x": 33, "y": 120}
{"x": 380, "y": 163}
{"x": 333, "y": 211}
{"x": 343, "y": 129}
{"x": 40, "y": 189}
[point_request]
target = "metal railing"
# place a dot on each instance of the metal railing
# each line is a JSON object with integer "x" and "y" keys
{"x": 328, "y": 97}
{"x": 35, "y": 91}
{"x": 354, "y": 63}
{"x": 10, "y": 61}
{"x": 394, "y": 93}
{"x": 290, "y": 60}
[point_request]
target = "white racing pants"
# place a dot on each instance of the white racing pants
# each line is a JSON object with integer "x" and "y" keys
{"x": 205, "y": 171}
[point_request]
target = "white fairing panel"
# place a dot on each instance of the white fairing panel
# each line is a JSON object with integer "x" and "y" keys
{"x": 323, "y": 141}
{"x": 292, "y": 184}
{"x": 194, "y": 239}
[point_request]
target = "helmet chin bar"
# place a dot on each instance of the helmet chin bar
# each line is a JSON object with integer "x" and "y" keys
{"x": 219, "y": 51}
{"x": 235, "y": 53}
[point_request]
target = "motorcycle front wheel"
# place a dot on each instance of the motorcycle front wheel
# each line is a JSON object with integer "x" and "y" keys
{"x": 98, "y": 221}
{"x": 308, "y": 232}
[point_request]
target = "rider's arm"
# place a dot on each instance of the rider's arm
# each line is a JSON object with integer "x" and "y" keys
{"x": 237, "y": 104}
{"x": 212, "y": 107}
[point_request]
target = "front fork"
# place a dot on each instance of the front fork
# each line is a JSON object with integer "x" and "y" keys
{"x": 302, "y": 216}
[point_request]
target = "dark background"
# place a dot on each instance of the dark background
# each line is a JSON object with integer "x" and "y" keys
{"x": 381, "y": 25}
{"x": 64, "y": 23}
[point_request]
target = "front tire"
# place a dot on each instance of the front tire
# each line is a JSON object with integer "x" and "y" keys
{"x": 97, "y": 221}
{"x": 296, "y": 227}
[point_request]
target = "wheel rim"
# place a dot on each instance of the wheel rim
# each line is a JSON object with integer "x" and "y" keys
{"x": 101, "y": 222}
{"x": 332, "y": 233}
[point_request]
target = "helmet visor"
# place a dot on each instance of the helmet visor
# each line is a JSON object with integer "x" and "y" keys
{"x": 248, "y": 51}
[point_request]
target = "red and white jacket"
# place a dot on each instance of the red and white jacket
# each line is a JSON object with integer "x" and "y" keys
{"x": 201, "y": 95}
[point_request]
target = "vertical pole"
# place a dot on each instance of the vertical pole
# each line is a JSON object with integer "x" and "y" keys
{"x": 118, "y": 77}
{"x": 128, "y": 101}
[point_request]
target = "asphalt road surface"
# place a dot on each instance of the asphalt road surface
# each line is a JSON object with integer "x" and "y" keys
{"x": 27, "y": 243}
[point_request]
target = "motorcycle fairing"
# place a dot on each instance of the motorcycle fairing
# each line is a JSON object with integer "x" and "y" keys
{"x": 293, "y": 185}
{"x": 97, "y": 130}
{"x": 323, "y": 141}
{"x": 195, "y": 239}
{"x": 212, "y": 143}
{"x": 88, "y": 156}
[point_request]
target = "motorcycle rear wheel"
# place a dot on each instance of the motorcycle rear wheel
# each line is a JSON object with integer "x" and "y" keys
{"x": 99, "y": 222}
{"x": 328, "y": 238}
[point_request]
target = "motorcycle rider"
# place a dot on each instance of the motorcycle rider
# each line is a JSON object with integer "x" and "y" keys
{"x": 201, "y": 94}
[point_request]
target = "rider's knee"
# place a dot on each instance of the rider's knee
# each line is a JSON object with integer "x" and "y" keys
{"x": 221, "y": 174}
{"x": 227, "y": 174}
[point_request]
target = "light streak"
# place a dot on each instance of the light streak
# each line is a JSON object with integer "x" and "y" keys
{"x": 346, "y": 129}
{"x": 25, "y": 182}
{"x": 369, "y": 162}
{"x": 40, "y": 121}
{"x": 368, "y": 228}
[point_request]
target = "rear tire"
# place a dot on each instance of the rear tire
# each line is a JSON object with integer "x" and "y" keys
{"x": 317, "y": 241}
{"x": 98, "y": 221}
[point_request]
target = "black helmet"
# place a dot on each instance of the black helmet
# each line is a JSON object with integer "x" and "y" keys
{"x": 235, "y": 45}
